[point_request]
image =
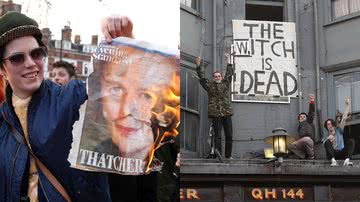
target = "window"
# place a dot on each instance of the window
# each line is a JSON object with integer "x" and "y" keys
{"x": 348, "y": 85}
{"x": 189, "y": 101}
{"x": 189, "y": 128}
{"x": 265, "y": 12}
{"x": 344, "y": 7}
{"x": 86, "y": 70}
{"x": 67, "y": 45}
{"x": 190, "y": 3}
{"x": 57, "y": 44}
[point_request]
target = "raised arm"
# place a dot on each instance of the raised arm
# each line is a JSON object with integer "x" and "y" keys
{"x": 116, "y": 26}
{"x": 346, "y": 113}
{"x": 229, "y": 73}
{"x": 229, "y": 69}
{"x": 311, "y": 113}
{"x": 200, "y": 72}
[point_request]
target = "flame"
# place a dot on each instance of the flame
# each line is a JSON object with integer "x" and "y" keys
{"x": 167, "y": 113}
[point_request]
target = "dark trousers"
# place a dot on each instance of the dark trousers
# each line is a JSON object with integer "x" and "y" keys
{"x": 219, "y": 122}
{"x": 346, "y": 152}
{"x": 128, "y": 188}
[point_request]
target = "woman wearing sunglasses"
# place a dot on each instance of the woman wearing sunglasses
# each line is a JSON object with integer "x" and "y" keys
{"x": 36, "y": 121}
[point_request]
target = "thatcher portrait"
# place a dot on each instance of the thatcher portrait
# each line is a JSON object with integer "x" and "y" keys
{"x": 133, "y": 103}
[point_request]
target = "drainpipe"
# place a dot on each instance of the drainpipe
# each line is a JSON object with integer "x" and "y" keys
{"x": 317, "y": 59}
{"x": 214, "y": 35}
{"x": 298, "y": 56}
{"x": 61, "y": 44}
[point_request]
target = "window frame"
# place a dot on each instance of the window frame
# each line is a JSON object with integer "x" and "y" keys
{"x": 266, "y": 3}
{"x": 348, "y": 9}
{"x": 331, "y": 91}
{"x": 332, "y": 20}
{"x": 278, "y": 3}
{"x": 189, "y": 68}
{"x": 189, "y": 9}
{"x": 352, "y": 91}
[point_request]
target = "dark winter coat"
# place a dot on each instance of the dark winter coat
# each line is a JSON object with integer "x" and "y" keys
{"x": 306, "y": 128}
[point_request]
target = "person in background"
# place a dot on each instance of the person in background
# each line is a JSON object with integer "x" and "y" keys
{"x": 335, "y": 145}
{"x": 63, "y": 72}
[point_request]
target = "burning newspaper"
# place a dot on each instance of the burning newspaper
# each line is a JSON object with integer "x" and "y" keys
{"x": 133, "y": 104}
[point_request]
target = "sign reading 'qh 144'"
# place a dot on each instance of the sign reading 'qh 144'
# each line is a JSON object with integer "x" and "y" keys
{"x": 265, "y": 61}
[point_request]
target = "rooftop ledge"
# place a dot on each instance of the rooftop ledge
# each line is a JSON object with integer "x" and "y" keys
{"x": 264, "y": 167}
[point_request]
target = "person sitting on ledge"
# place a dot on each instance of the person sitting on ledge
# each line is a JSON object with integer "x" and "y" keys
{"x": 303, "y": 147}
{"x": 335, "y": 146}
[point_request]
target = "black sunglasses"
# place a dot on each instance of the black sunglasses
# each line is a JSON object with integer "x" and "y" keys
{"x": 36, "y": 54}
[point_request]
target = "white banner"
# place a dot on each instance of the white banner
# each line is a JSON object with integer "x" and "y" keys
{"x": 264, "y": 54}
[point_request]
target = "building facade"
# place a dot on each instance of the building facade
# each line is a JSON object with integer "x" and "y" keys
{"x": 328, "y": 65}
{"x": 70, "y": 51}
{"x": 6, "y": 6}
{"x": 64, "y": 49}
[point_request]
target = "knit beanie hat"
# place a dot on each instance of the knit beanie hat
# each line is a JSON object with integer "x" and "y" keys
{"x": 14, "y": 25}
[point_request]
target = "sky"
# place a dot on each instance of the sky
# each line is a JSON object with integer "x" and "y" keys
{"x": 155, "y": 21}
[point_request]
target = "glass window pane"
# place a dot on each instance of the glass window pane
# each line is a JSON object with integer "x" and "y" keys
{"x": 354, "y": 6}
{"x": 181, "y": 132}
{"x": 342, "y": 90}
{"x": 190, "y": 3}
{"x": 264, "y": 12}
{"x": 340, "y": 8}
{"x": 183, "y": 84}
{"x": 193, "y": 91}
{"x": 355, "y": 100}
{"x": 194, "y": 4}
{"x": 191, "y": 131}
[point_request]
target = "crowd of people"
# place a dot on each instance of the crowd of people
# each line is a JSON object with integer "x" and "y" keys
{"x": 337, "y": 146}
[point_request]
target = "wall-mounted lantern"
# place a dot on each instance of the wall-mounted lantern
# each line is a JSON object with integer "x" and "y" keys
{"x": 279, "y": 140}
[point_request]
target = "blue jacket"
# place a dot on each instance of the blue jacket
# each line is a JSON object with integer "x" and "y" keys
{"x": 339, "y": 139}
{"x": 51, "y": 114}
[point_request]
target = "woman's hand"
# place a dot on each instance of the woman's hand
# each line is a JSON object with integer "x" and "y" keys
{"x": 116, "y": 26}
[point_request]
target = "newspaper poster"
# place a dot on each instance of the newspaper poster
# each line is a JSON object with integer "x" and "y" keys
{"x": 264, "y": 55}
{"x": 133, "y": 108}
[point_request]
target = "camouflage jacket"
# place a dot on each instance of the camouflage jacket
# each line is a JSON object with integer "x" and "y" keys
{"x": 218, "y": 93}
